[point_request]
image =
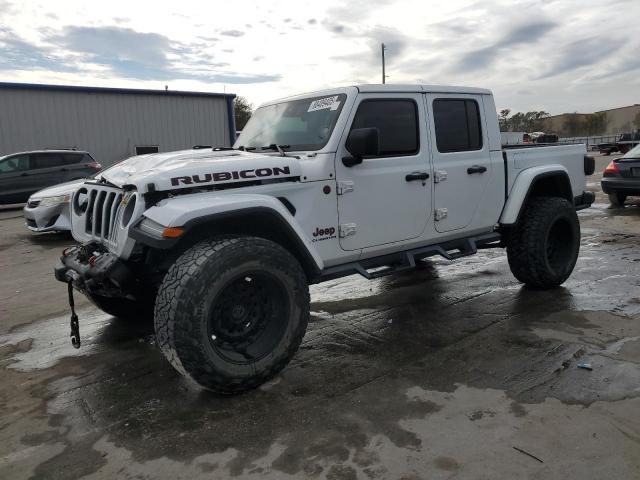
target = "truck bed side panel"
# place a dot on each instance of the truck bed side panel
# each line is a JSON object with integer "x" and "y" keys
{"x": 570, "y": 157}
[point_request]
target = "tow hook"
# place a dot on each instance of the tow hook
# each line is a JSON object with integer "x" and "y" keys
{"x": 75, "y": 326}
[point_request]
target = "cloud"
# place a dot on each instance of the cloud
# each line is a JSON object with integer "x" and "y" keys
{"x": 232, "y": 33}
{"x": 484, "y": 57}
{"x": 583, "y": 53}
{"x": 312, "y": 21}
{"x": 18, "y": 54}
{"x": 128, "y": 52}
{"x": 368, "y": 58}
{"x": 146, "y": 56}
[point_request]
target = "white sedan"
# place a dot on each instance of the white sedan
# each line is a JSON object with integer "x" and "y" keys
{"x": 48, "y": 210}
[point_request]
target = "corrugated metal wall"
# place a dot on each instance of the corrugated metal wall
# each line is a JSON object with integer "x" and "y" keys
{"x": 109, "y": 125}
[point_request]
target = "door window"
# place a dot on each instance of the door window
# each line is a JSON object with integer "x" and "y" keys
{"x": 47, "y": 160}
{"x": 457, "y": 125}
{"x": 397, "y": 122}
{"x": 14, "y": 164}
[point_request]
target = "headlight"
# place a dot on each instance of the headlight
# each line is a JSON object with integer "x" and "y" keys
{"x": 49, "y": 201}
{"x": 150, "y": 227}
{"x": 157, "y": 230}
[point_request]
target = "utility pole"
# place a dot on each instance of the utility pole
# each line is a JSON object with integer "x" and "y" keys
{"x": 382, "y": 49}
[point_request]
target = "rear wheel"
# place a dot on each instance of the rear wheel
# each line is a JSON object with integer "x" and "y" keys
{"x": 543, "y": 248}
{"x": 617, "y": 199}
{"x": 232, "y": 312}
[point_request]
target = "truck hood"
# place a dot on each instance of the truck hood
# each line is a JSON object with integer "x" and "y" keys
{"x": 193, "y": 168}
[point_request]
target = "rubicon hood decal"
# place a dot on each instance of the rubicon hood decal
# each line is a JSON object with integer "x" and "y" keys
{"x": 189, "y": 168}
{"x": 232, "y": 175}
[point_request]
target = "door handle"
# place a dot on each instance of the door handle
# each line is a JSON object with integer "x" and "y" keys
{"x": 416, "y": 176}
{"x": 476, "y": 169}
{"x": 24, "y": 174}
{"x": 64, "y": 169}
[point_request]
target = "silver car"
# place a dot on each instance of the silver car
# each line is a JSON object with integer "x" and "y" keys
{"x": 48, "y": 210}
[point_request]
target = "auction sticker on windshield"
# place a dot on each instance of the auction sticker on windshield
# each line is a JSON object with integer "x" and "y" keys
{"x": 331, "y": 103}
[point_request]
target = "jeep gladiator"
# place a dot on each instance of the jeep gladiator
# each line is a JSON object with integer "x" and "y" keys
{"x": 219, "y": 245}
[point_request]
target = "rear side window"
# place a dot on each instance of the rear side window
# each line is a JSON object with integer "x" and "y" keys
{"x": 49, "y": 160}
{"x": 397, "y": 121}
{"x": 72, "y": 158}
{"x": 457, "y": 125}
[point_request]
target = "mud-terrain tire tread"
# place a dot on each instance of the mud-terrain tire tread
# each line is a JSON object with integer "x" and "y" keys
{"x": 178, "y": 337}
{"x": 526, "y": 243}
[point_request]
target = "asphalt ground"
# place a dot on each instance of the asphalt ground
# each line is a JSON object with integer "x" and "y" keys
{"x": 454, "y": 370}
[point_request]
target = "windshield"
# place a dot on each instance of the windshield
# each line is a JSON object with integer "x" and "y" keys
{"x": 303, "y": 124}
{"x": 633, "y": 153}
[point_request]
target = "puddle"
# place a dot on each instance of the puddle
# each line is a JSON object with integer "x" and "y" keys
{"x": 49, "y": 340}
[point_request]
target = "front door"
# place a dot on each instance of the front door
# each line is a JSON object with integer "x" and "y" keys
{"x": 461, "y": 159}
{"x": 15, "y": 182}
{"x": 387, "y": 198}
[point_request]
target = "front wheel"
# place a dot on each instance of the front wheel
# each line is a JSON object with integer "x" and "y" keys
{"x": 543, "y": 248}
{"x": 231, "y": 312}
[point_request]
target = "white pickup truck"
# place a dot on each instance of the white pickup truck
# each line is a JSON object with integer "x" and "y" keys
{"x": 220, "y": 244}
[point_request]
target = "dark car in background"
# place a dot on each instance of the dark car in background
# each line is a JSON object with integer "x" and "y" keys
{"x": 22, "y": 174}
{"x": 621, "y": 178}
{"x": 623, "y": 144}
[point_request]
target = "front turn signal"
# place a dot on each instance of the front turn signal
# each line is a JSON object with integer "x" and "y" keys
{"x": 172, "y": 232}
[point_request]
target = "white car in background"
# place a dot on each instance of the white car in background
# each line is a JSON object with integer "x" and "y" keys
{"x": 48, "y": 210}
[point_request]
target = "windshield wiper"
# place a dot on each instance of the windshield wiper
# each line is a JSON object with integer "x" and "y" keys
{"x": 279, "y": 148}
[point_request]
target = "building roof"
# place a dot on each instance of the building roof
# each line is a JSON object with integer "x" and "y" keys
{"x": 121, "y": 91}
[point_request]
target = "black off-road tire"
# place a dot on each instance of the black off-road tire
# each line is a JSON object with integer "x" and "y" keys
{"x": 189, "y": 317}
{"x": 617, "y": 199}
{"x": 543, "y": 247}
{"x": 123, "y": 307}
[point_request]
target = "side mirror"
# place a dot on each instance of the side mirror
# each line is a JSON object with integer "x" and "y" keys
{"x": 361, "y": 142}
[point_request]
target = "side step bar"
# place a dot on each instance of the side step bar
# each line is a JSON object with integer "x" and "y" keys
{"x": 397, "y": 262}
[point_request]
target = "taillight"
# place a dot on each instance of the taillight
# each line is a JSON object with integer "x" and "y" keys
{"x": 612, "y": 168}
{"x": 95, "y": 166}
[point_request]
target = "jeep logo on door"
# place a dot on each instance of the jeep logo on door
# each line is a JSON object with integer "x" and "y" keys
{"x": 232, "y": 175}
{"x": 323, "y": 233}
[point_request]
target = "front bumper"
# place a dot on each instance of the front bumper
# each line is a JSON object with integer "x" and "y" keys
{"x": 628, "y": 186}
{"x": 47, "y": 219}
{"x": 92, "y": 269}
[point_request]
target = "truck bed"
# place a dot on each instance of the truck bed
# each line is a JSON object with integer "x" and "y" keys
{"x": 570, "y": 156}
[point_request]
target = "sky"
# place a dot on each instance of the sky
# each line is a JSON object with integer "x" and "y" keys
{"x": 558, "y": 56}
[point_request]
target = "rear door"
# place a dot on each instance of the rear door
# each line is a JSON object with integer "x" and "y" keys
{"x": 47, "y": 169}
{"x": 14, "y": 179}
{"x": 383, "y": 200}
{"x": 461, "y": 159}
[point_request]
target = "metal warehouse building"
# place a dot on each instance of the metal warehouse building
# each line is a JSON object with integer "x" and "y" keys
{"x": 111, "y": 123}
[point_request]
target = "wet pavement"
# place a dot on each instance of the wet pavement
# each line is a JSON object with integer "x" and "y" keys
{"x": 451, "y": 371}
